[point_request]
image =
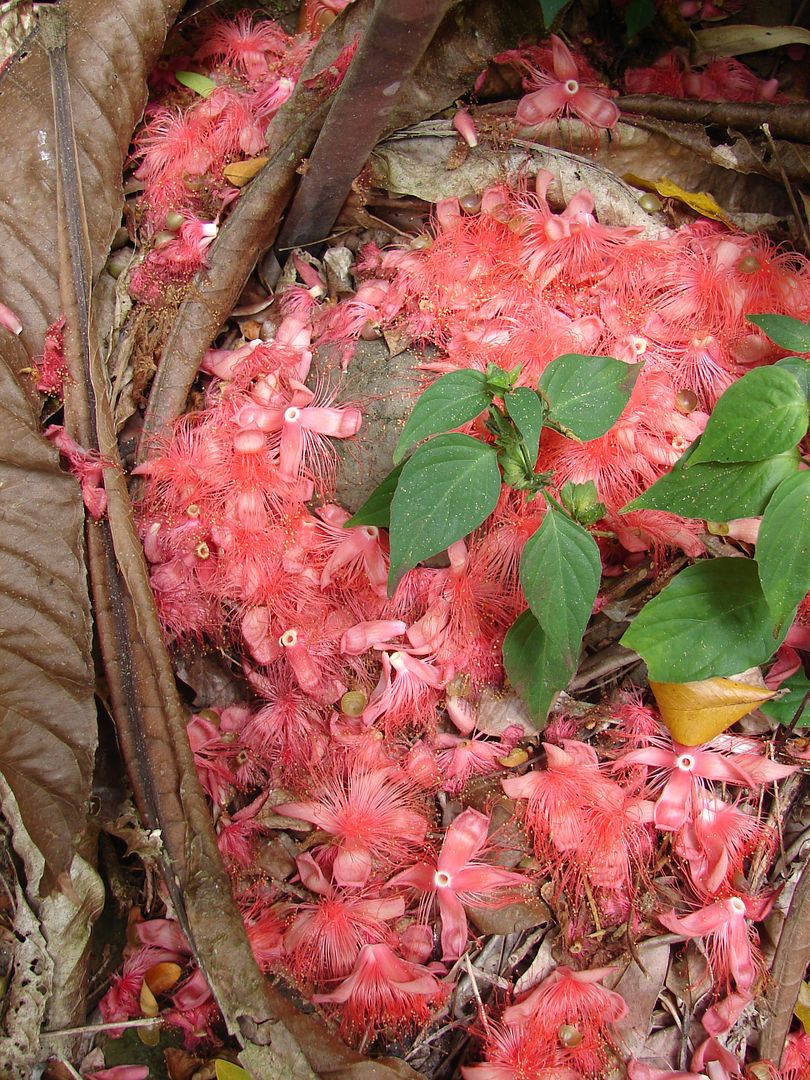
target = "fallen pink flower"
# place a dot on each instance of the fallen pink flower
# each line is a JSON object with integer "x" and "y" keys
{"x": 460, "y": 878}
{"x": 564, "y": 92}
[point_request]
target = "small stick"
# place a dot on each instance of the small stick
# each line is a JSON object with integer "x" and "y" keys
{"x": 476, "y": 994}
{"x": 92, "y": 1029}
{"x": 789, "y": 189}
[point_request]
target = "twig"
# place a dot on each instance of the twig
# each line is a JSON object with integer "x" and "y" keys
{"x": 92, "y": 1029}
{"x": 789, "y": 965}
{"x": 786, "y": 121}
{"x": 795, "y": 206}
{"x": 476, "y": 993}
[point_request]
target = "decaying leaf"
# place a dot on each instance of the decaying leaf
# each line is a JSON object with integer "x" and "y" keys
{"x": 736, "y": 40}
{"x": 702, "y": 202}
{"x": 112, "y": 48}
{"x": 640, "y": 988}
{"x": 695, "y": 712}
{"x": 802, "y": 1008}
{"x": 47, "y": 713}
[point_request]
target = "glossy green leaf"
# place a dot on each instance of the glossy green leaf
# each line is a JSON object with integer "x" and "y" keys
{"x": 446, "y": 489}
{"x": 718, "y": 492}
{"x": 783, "y": 547}
{"x": 376, "y": 510}
{"x": 762, "y": 414}
{"x": 712, "y": 619}
{"x": 587, "y": 394}
{"x": 200, "y": 84}
{"x": 800, "y": 370}
{"x": 450, "y": 402}
{"x": 560, "y": 570}
{"x": 551, "y": 9}
{"x": 784, "y": 709}
{"x": 535, "y": 666}
{"x": 790, "y": 333}
{"x": 527, "y": 412}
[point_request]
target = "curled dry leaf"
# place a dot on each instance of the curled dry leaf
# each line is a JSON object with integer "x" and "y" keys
{"x": 695, "y": 712}
{"x": 47, "y": 714}
{"x": 748, "y": 38}
{"x": 112, "y": 48}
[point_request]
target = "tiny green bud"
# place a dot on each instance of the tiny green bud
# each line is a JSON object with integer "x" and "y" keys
{"x": 353, "y": 703}
{"x": 649, "y": 202}
{"x": 174, "y": 220}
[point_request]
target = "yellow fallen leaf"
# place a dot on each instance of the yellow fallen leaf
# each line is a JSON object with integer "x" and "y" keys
{"x": 695, "y": 712}
{"x": 162, "y": 977}
{"x": 802, "y": 1009}
{"x": 148, "y": 1001}
{"x": 226, "y": 1070}
{"x": 700, "y": 201}
{"x": 518, "y": 757}
{"x": 240, "y": 173}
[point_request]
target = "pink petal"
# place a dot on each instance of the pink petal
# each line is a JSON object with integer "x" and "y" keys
{"x": 722, "y": 1016}
{"x": 465, "y": 126}
{"x": 357, "y": 639}
{"x": 463, "y": 840}
{"x": 762, "y": 770}
{"x": 10, "y": 320}
{"x": 393, "y": 908}
{"x": 594, "y": 108}
{"x": 312, "y": 877}
{"x": 352, "y": 866}
{"x": 543, "y": 104}
{"x": 419, "y": 876}
{"x": 121, "y": 1072}
{"x": 672, "y": 808}
{"x": 562, "y": 60}
{"x": 482, "y": 879}
{"x": 454, "y": 925}
{"x": 706, "y": 921}
{"x": 339, "y": 423}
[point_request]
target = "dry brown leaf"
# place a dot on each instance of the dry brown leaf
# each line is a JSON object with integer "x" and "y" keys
{"x": 695, "y": 712}
{"x": 47, "y": 713}
{"x": 640, "y": 989}
{"x": 148, "y": 1001}
{"x": 512, "y": 918}
{"x": 112, "y": 47}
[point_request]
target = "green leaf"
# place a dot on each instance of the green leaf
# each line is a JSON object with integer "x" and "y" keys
{"x": 790, "y": 333}
{"x": 526, "y": 410}
{"x": 200, "y": 84}
{"x": 534, "y": 664}
{"x": 551, "y": 9}
{"x": 638, "y": 15}
{"x": 783, "y": 547}
{"x": 587, "y": 394}
{"x": 450, "y": 402}
{"x": 762, "y": 414}
{"x": 712, "y": 619}
{"x": 376, "y": 510}
{"x": 446, "y": 489}
{"x": 560, "y": 570}
{"x": 226, "y": 1070}
{"x": 784, "y": 709}
{"x": 718, "y": 492}
{"x": 800, "y": 370}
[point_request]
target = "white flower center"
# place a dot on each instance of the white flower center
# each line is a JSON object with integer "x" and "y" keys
{"x": 288, "y": 639}
{"x": 292, "y": 415}
{"x": 737, "y": 905}
{"x": 685, "y": 763}
{"x": 441, "y": 879}
{"x": 571, "y": 87}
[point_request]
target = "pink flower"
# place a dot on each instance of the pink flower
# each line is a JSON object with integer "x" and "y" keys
{"x": 572, "y": 999}
{"x": 459, "y": 877}
{"x": 356, "y": 556}
{"x": 679, "y": 773}
{"x": 465, "y": 126}
{"x": 563, "y": 92}
{"x": 243, "y": 45}
{"x": 121, "y": 1072}
{"x": 519, "y": 1053}
{"x": 460, "y": 759}
{"x": 716, "y": 841}
{"x": 406, "y": 695}
{"x": 372, "y": 817}
{"x": 326, "y": 937}
{"x": 730, "y": 941}
{"x": 383, "y": 991}
{"x": 86, "y": 465}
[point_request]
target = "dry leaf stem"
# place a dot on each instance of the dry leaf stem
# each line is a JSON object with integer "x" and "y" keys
{"x": 786, "y": 121}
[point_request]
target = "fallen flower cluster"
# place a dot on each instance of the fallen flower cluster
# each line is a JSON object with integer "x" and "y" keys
{"x": 365, "y": 727}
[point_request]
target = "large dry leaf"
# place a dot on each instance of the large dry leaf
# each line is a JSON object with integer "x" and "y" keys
{"x": 47, "y": 715}
{"x": 111, "y": 47}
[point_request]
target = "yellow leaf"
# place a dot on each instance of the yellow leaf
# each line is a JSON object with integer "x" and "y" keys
{"x": 226, "y": 1070}
{"x": 802, "y": 1009}
{"x": 162, "y": 977}
{"x": 518, "y": 757}
{"x": 240, "y": 173}
{"x": 149, "y": 1005}
{"x": 695, "y": 712}
{"x": 700, "y": 201}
